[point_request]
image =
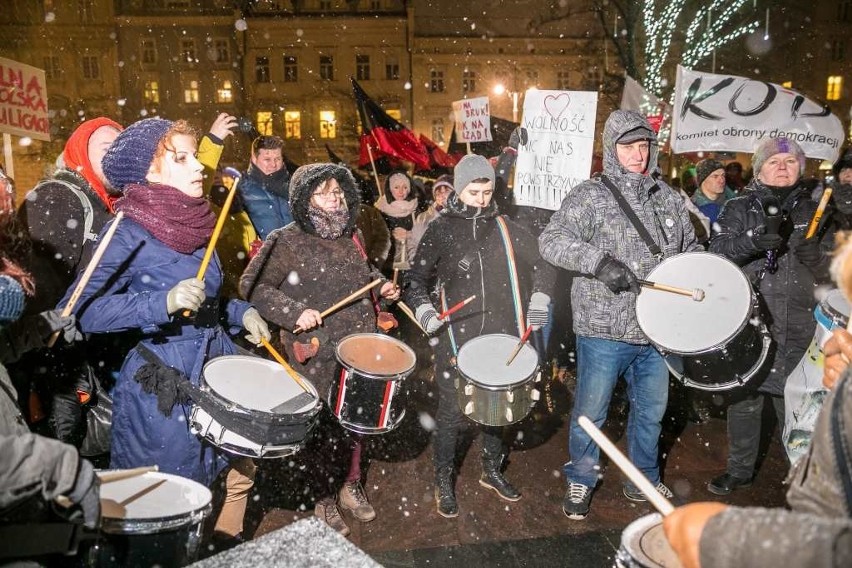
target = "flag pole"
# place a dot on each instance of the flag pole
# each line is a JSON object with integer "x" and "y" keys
{"x": 375, "y": 173}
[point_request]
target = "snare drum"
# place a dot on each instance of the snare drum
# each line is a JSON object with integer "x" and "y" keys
{"x": 152, "y": 519}
{"x": 644, "y": 545}
{"x": 238, "y": 409}
{"x": 493, "y": 393}
{"x": 803, "y": 390}
{"x": 367, "y": 396}
{"x": 715, "y": 344}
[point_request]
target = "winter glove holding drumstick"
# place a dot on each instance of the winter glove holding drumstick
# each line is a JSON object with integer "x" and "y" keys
{"x": 256, "y": 326}
{"x": 187, "y": 294}
{"x": 538, "y": 312}
{"x": 428, "y": 318}
{"x": 616, "y": 276}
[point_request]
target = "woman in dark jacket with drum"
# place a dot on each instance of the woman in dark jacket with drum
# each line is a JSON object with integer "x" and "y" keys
{"x": 306, "y": 267}
{"x": 464, "y": 250}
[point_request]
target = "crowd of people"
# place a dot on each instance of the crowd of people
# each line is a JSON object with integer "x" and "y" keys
{"x": 159, "y": 305}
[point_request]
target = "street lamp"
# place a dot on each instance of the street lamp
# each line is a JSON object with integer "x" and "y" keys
{"x": 499, "y": 89}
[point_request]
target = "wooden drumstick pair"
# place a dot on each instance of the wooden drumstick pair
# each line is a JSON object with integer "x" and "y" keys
{"x": 119, "y": 475}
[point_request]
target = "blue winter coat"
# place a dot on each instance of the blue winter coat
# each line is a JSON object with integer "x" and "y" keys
{"x": 127, "y": 291}
{"x": 266, "y": 210}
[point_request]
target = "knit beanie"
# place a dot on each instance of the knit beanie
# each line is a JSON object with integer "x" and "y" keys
{"x": 130, "y": 156}
{"x": 771, "y": 146}
{"x": 11, "y": 299}
{"x": 470, "y": 168}
{"x": 844, "y": 162}
{"x": 705, "y": 168}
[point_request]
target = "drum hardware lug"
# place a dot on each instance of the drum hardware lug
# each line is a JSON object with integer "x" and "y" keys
{"x": 468, "y": 408}
{"x": 535, "y": 394}
{"x": 509, "y": 415}
{"x": 468, "y": 389}
{"x": 538, "y": 377}
{"x": 456, "y": 383}
{"x": 510, "y": 396}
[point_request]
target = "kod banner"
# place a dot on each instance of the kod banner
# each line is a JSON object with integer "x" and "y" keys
{"x": 558, "y": 154}
{"x": 473, "y": 120}
{"x": 726, "y": 113}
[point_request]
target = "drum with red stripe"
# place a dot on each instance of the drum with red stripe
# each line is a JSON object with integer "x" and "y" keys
{"x": 367, "y": 395}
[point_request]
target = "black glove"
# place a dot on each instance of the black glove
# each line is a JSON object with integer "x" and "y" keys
{"x": 616, "y": 276}
{"x": 86, "y": 494}
{"x": 518, "y": 137}
{"x": 52, "y": 321}
{"x": 765, "y": 241}
{"x": 808, "y": 252}
{"x": 843, "y": 198}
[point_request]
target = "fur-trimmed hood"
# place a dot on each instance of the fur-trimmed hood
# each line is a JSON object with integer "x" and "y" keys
{"x": 307, "y": 178}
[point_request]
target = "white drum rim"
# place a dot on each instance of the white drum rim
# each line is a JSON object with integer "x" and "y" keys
{"x": 250, "y": 411}
{"x": 639, "y": 527}
{"x": 830, "y": 309}
{"x": 249, "y": 449}
{"x": 502, "y": 386}
{"x": 371, "y": 375}
{"x": 640, "y": 302}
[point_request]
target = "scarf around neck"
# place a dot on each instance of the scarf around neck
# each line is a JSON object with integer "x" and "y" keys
{"x": 181, "y": 222}
{"x": 276, "y": 183}
{"x": 329, "y": 225}
{"x": 397, "y": 209}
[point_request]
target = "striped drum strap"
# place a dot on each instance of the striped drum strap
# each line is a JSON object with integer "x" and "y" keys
{"x": 513, "y": 275}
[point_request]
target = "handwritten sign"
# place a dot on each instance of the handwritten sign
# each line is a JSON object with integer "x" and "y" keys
{"x": 558, "y": 154}
{"x": 23, "y": 100}
{"x": 473, "y": 120}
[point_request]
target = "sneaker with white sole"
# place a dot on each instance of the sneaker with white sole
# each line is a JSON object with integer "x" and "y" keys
{"x": 577, "y": 501}
{"x": 353, "y": 498}
{"x": 634, "y": 494}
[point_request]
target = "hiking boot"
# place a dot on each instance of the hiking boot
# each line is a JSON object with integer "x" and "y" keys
{"x": 634, "y": 494}
{"x": 492, "y": 478}
{"x": 577, "y": 501}
{"x": 353, "y": 498}
{"x": 327, "y": 512}
{"x": 445, "y": 494}
{"x": 725, "y": 483}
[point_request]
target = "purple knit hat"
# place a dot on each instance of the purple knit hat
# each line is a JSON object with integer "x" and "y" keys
{"x": 771, "y": 146}
{"x": 130, "y": 155}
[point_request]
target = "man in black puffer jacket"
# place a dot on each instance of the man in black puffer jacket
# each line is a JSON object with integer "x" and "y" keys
{"x": 764, "y": 231}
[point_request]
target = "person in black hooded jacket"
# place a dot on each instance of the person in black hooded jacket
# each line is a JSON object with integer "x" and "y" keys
{"x": 763, "y": 231}
{"x": 463, "y": 250}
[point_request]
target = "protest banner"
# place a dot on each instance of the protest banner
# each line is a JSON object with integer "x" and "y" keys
{"x": 726, "y": 113}
{"x": 473, "y": 119}
{"x": 23, "y": 100}
{"x": 558, "y": 154}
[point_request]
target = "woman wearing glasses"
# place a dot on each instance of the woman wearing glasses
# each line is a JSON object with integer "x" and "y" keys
{"x": 306, "y": 267}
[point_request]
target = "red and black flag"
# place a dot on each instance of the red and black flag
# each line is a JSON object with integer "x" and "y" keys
{"x": 384, "y": 135}
{"x": 437, "y": 157}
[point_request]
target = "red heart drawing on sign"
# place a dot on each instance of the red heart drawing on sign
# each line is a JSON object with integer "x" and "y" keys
{"x": 555, "y": 106}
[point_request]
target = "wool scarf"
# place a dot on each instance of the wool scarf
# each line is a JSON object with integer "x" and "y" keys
{"x": 181, "y": 222}
{"x": 329, "y": 224}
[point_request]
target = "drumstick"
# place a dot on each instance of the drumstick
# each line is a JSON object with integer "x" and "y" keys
{"x": 662, "y": 504}
{"x": 119, "y": 474}
{"x": 696, "y": 294}
{"x": 520, "y": 344}
{"x": 812, "y": 228}
{"x": 90, "y": 269}
{"x": 141, "y": 493}
{"x": 456, "y": 308}
{"x": 345, "y": 301}
{"x": 290, "y": 371}
{"x": 407, "y": 311}
{"x": 217, "y": 229}
{"x": 395, "y": 275}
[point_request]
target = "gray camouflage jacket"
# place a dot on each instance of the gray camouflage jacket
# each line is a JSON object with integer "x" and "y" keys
{"x": 590, "y": 224}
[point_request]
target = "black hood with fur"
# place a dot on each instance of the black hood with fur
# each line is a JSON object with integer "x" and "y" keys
{"x": 307, "y": 178}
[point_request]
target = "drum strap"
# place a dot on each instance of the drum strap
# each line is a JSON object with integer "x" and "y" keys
{"x": 631, "y": 215}
{"x": 842, "y": 450}
{"x": 513, "y": 275}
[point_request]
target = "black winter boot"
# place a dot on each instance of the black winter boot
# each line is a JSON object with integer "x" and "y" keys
{"x": 492, "y": 477}
{"x": 445, "y": 493}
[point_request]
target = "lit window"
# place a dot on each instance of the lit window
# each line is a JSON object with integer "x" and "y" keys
{"x": 787, "y": 84}
{"x": 292, "y": 124}
{"x": 834, "y": 88}
{"x": 326, "y": 67}
{"x": 151, "y": 92}
{"x": 468, "y": 81}
{"x": 222, "y": 50}
{"x": 436, "y": 81}
{"x": 261, "y": 69}
{"x": 187, "y": 51}
{"x": 190, "y": 91}
{"x": 391, "y": 68}
{"x": 362, "y": 67}
{"x": 394, "y": 113}
{"x": 52, "y": 68}
{"x": 91, "y": 67}
{"x": 328, "y": 124}
{"x": 263, "y": 122}
{"x": 148, "y": 48}
{"x": 225, "y": 92}
{"x": 291, "y": 69}
{"x": 563, "y": 80}
{"x": 438, "y": 130}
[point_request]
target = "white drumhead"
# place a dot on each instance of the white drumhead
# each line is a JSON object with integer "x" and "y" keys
{"x": 253, "y": 383}
{"x": 483, "y": 360}
{"x": 837, "y": 305}
{"x": 153, "y": 495}
{"x": 646, "y": 544}
{"x": 682, "y": 325}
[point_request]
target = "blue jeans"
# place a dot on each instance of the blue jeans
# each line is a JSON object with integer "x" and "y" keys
{"x": 600, "y": 362}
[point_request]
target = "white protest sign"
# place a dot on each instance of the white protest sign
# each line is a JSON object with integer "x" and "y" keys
{"x": 23, "y": 100}
{"x": 558, "y": 154}
{"x": 473, "y": 120}
{"x": 726, "y": 113}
